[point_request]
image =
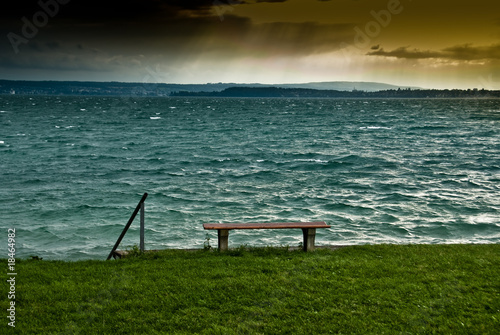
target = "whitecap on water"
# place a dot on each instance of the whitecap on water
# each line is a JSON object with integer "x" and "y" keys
{"x": 484, "y": 219}
{"x": 374, "y": 128}
{"x": 311, "y": 160}
{"x": 155, "y": 117}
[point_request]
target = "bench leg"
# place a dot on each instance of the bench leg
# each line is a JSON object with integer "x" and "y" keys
{"x": 309, "y": 236}
{"x": 223, "y": 235}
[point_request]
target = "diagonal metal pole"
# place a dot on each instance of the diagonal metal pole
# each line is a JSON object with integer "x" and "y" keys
{"x": 139, "y": 205}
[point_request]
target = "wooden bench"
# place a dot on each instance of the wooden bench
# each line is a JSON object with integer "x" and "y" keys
{"x": 308, "y": 230}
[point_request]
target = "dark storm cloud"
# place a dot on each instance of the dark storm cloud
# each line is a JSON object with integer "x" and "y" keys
{"x": 179, "y": 39}
{"x": 108, "y": 9}
{"x": 95, "y": 10}
{"x": 469, "y": 52}
{"x": 465, "y": 52}
{"x": 183, "y": 22}
{"x": 93, "y": 34}
{"x": 403, "y": 52}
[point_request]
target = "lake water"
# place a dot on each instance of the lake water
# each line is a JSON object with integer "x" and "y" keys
{"x": 378, "y": 171}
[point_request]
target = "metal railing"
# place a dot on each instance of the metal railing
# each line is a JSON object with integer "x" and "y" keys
{"x": 140, "y": 207}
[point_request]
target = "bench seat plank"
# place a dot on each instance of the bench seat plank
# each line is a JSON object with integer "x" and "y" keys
{"x": 279, "y": 225}
{"x": 308, "y": 230}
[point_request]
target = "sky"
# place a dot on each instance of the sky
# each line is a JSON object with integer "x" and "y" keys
{"x": 423, "y": 43}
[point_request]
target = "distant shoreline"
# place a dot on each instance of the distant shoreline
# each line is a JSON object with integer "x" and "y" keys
{"x": 272, "y": 92}
{"x": 232, "y": 90}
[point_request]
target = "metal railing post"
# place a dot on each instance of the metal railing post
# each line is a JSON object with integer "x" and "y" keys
{"x": 141, "y": 243}
{"x": 139, "y": 205}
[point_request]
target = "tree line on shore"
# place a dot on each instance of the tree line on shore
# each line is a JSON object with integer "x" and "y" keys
{"x": 221, "y": 90}
{"x": 277, "y": 92}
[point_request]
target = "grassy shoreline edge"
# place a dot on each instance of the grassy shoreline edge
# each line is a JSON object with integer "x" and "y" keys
{"x": 395, "y": 289}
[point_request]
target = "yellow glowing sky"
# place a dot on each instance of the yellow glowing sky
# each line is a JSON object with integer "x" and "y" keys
{"x": 419, "y": 27}
{"x": 432, "y": 44}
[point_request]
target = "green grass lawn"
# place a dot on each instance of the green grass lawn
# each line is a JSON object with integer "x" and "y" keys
{"x": 376, "y": 289}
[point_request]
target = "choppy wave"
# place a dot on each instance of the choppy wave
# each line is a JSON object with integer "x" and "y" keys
{"x": 394, "y": 171}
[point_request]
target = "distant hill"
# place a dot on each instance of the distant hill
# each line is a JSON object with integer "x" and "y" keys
{"x": 326, "y": 85}
{"x": 161, "y": 89}
{"x": 347, "y": 86}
